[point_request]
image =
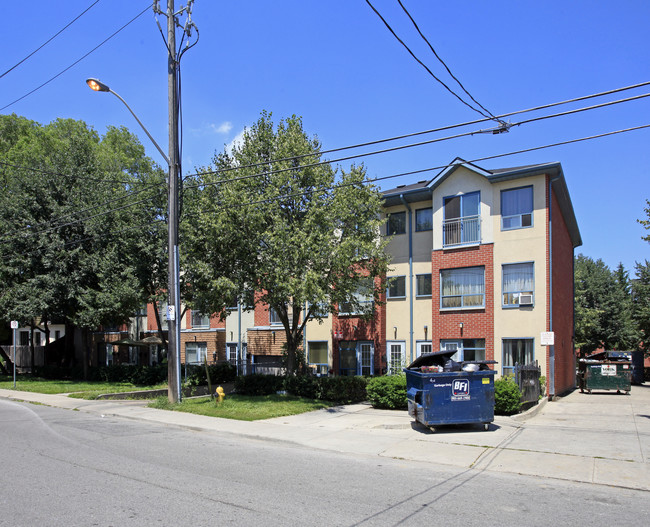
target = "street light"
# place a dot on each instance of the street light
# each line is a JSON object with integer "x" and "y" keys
{"x": 174, "y": 362}
{"x": 97, "y": 85}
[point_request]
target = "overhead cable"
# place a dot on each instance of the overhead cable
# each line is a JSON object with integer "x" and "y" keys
{"x": 51, "y": 38}
{"x": 77, "y": 61}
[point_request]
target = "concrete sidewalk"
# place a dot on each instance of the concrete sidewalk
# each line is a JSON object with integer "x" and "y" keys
{"x": 601, "y": 438}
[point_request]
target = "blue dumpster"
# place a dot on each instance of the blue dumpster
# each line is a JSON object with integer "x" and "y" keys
{"x": 443, "y": 392}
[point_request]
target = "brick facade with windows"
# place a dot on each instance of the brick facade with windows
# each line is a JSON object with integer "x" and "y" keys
{"x": 477, "y": 323}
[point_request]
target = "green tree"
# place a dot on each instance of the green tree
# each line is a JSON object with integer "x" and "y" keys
{"x": 641, "y": 302}
{"x": 646, "y": 222}
{"x": 267, "y": 224}
{"x": 75, "y": 212}
{"x": 603, "y": 307}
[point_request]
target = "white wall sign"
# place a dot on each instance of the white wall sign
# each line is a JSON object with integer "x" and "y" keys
{"x": 548, "y": 338}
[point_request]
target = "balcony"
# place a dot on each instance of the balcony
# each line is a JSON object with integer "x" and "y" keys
{"x": 461, "y": 231}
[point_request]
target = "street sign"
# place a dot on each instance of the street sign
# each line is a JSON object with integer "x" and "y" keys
{"x": 548, "y": 338}
{"x": 14, "y": 324}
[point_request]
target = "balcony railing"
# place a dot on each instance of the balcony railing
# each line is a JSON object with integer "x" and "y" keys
{"x": 461, "y": 231}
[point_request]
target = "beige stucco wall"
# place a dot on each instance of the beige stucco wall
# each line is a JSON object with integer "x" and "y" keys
{"x": 232, "y": 324}
{"x": 519, "y": 246}
{"x": 463, "y": 181}
{"x": 398, "y": 311}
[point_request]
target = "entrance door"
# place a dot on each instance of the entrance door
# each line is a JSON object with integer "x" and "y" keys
{"x": 395, "y": 357}
{"x": 365, "y": 358}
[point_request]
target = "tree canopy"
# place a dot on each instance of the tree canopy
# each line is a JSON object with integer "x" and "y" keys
{"x": 270, "y": 223}
{"x": 81, "y": 219}
{"x": 603, "y": 307}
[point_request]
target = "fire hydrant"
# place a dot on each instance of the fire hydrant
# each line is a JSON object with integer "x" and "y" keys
{"x": 220, "y": 395}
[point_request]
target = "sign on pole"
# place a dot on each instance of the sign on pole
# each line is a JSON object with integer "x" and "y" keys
{"x": 14, "y": 324}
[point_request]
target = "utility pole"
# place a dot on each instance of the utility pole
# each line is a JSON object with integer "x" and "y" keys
{"x": 174, "y": 290}
{"x": 173, "y": 309}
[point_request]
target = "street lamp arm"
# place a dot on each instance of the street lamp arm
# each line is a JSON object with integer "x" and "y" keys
{"x": 96, "y": 85}
{"x": 142, "y": 126}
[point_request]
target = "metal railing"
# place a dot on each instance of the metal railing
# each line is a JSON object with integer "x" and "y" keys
{"x": 461, "y": 231}
{"x": 527, "y": 378}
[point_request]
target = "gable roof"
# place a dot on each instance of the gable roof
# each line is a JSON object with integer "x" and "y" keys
{"x": 423, "y": 190}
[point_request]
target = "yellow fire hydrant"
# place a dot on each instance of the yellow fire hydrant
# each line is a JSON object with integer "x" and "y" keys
{"x": 220, "y": 395}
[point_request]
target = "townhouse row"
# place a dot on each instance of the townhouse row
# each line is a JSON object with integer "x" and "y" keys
{"x": 482, "y": 265}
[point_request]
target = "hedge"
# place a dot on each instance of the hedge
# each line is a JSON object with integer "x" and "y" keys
{"x": 388, "y": 392}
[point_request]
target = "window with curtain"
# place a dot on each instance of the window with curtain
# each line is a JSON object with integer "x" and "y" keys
{"x": 462, "y": 288}
{"x": 364, "y": 296}
{"x": 195, "y": 352}
{"x": 517, "y": 208}
{"x": 518, "y": 279}
{"x": 199, "y": 320}
{"x": 516, "y": 351}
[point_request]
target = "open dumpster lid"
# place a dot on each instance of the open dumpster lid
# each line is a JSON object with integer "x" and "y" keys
{"x": 439, "y": 358}
{"x": 609, "y": 355}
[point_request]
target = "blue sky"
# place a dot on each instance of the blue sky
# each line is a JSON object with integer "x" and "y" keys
{"x": 335, "y": 64}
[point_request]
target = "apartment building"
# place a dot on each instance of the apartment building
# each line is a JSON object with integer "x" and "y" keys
{"x": 483, "y": 266}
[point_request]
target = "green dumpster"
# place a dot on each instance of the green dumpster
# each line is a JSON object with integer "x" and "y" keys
{"x": 606, "y": 370}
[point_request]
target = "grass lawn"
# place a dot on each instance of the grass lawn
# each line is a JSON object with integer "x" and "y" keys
{"x": 82, "y": 389}
{"x": 244, "y": 407}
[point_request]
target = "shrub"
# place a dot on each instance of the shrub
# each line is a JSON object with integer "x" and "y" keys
{"x": 343, "y": 390}
{"x": 219, "y": 373}
{"x": 542, "y": 386}
{"x": 507, "y": 397}
{"x": 258, "y": 384}
{"x": 388, "y": 392}
{"x": 303, "y": 386}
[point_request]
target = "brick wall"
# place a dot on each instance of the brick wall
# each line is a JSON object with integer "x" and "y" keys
{"x": 562, "y": 288}
{"x": 477, "y": 323}
{"x": 358, "y": 329}
{"x": 215, "y": 341}
{"x": 266, "y": 341}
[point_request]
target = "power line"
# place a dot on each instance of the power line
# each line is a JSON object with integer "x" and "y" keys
{"x": 78, "y": 60}
{"x": 484, "y": 114}
{"x": 81, "y": 220}
{"x": 426, "y": 132}
{"x": 53, "y": 173}
{"x": 439, "y": 167}
{"x": 412, "y": 145}
{"x": 51, "y": 38}
{"x": 442, "y": 61}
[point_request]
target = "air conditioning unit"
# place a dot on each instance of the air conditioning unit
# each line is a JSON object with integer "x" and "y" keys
{"x": 526, "y": 300}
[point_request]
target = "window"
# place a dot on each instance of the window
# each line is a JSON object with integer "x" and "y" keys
{"x": 37, "y": 338}
{"x": 466, "y": 349}
{"x": 462, "y": 288}
{"x": 231, "y": 349}
{"x": 195, "y": 352}
{"x": 516, "y": 351}
{"x": 462, "y": 223}
{"x": 516, "y": 208}
{"x": 396, "y": 287}
{"x": 423, "y": 284}
{"x": 423, "y": 219}
{"x": 199, "y": 320}
{"x": 396, "y": 223}
{"x": 423, "y": 347}
{"x": 24, "y": 338}
{"x": 319, "y": 310}
{"x": 364, "y": 297}
{"x": 518, "y": 284}
{"x": 317, "y": 357}
{"x": 274, "y": 317}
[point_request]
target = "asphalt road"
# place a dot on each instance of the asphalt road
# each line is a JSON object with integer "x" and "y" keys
{"x": 66, "y": 468}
